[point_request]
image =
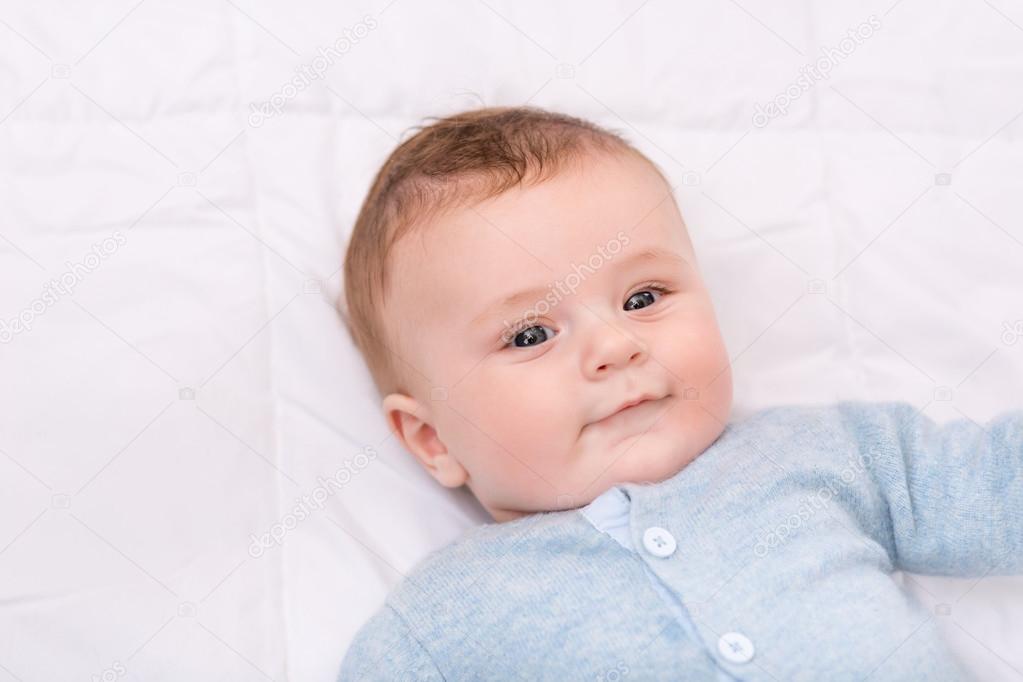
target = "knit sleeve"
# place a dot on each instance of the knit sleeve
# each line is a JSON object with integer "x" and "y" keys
{"x": 385, "y": 649}
{"x": 953, "y": 492}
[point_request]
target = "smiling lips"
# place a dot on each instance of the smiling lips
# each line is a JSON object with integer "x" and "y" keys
{"x": 627, "y": 408}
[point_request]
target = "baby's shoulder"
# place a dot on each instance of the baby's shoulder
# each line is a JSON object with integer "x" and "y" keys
{"x": 838, "y": 419}
{"x": 482, "y": 565}
{"x": 799, "y": 437}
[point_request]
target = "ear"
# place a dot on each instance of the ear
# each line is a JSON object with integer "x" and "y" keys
{"x": 411, "y": 423}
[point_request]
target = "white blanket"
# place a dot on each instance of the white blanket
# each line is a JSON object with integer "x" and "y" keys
{"x": 177, "y": 182}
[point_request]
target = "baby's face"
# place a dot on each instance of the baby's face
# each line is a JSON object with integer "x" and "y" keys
{"x": 598, "y": 267}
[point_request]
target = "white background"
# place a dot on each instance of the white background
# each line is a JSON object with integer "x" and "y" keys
{"x": 867, "y": 244}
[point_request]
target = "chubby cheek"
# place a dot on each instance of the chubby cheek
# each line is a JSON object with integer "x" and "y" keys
{"x": 522, "y": 423}
{"x": 699, "y": 362}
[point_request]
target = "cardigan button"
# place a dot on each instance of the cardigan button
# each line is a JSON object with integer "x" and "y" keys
{"x": 735, "y": 647}
{"x": 659, "y": 542}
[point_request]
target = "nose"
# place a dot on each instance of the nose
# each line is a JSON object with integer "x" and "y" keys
{"x": 611, "y": 348}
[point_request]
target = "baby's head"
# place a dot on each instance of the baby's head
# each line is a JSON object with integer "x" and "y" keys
{"x": 515, "y": 277}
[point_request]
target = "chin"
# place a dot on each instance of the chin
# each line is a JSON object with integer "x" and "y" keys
{"x": 649, "y": 460}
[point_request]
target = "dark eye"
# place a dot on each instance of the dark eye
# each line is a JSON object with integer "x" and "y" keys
{"x": 641, "y": 299}
{"x": 531, "y": 336}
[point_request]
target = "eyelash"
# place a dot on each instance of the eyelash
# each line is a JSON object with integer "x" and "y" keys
{"x": 522, "y": 326}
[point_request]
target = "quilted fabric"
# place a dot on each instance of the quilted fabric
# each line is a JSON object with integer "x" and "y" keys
{"x": 195, "y": 480}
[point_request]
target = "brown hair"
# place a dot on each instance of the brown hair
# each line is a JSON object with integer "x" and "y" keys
{"x": 467, "y": 157}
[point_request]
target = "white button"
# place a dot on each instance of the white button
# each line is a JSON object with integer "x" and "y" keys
{"x": 658, "y": 542}
{"x": 735, "y": 647}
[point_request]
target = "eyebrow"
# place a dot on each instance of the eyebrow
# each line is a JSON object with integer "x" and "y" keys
{"x": 534, "y": 295}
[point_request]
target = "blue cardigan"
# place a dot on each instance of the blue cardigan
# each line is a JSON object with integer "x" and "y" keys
{"x": 769, "y": 557}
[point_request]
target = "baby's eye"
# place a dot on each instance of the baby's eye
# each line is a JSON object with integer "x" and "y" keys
{"x": 531, "y": 336}
{"x": 641, "y": 299}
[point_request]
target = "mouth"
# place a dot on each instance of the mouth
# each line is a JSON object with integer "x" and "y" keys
{"x": 628, "y": 409}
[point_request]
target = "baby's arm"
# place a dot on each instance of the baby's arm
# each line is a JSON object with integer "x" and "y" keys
{"x": 954, "y": 492}
{"x": 385, "y": 649}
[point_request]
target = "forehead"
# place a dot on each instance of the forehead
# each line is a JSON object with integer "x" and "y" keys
{"x": 526, "y": 236}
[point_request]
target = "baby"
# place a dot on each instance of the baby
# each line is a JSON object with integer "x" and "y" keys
{"x": 523, "y": 289}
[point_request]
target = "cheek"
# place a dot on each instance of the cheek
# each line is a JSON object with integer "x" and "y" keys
{"x": 693, "y": 350}
{"x": 515, "y": 434}
{"x": 519, "y": 407}
{"x": 700, "y": 360}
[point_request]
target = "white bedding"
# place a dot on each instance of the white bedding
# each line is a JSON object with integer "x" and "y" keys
{"x": 159, "y": 419}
